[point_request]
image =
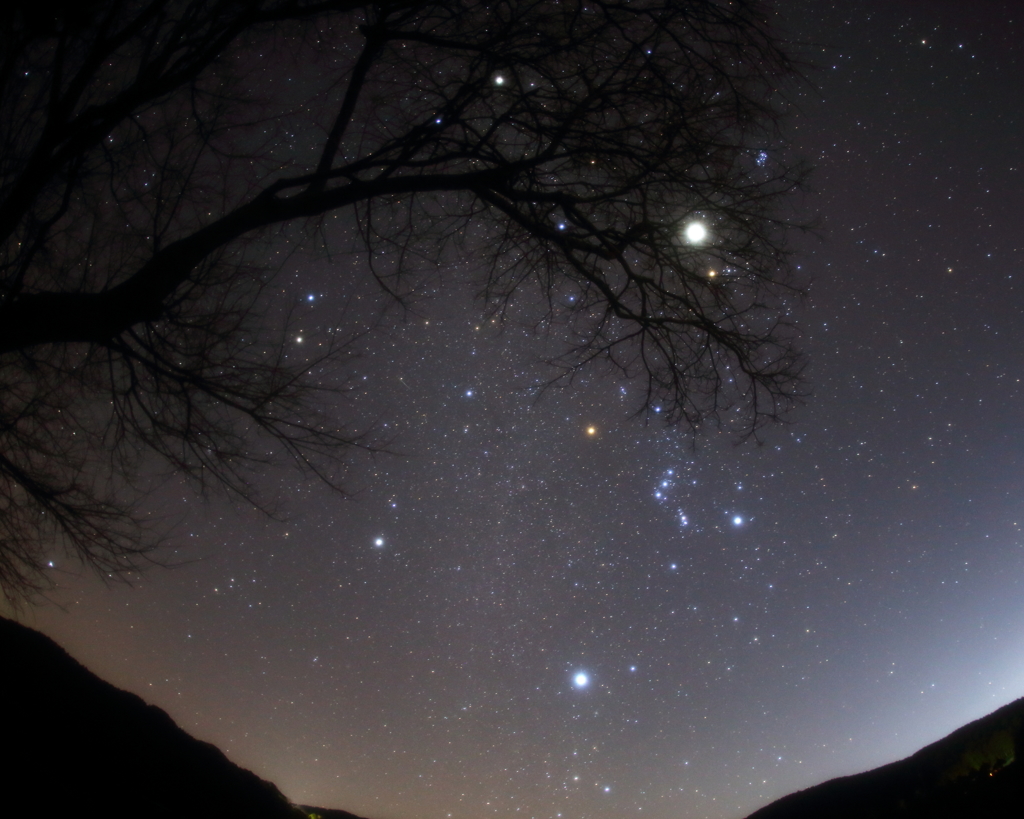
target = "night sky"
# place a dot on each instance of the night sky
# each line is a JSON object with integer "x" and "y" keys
{"x": 546, "y": 609}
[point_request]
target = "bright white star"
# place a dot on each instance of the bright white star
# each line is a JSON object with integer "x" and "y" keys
{"x": 581, "y": 680}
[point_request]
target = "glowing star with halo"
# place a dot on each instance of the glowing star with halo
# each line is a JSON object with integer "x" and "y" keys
{"x": 581, "y": 680}
{"x": 695, "y": 233}
{"x": 591, "y": 431}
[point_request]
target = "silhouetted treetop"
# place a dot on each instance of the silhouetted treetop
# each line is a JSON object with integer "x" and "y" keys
{"x": 622, "y": 158}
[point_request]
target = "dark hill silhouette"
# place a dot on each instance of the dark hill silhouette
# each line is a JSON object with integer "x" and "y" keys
{"x": 75, "y": 745}
{"x": 977, "y": 772}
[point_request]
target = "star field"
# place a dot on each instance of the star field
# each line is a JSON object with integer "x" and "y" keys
{"x": 541, "y": 607}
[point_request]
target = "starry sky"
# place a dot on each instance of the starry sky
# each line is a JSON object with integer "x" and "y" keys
{"x": 545, "y": 609}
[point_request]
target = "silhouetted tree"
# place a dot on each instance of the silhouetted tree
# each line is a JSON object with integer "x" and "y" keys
{"x": 579, "y": 146}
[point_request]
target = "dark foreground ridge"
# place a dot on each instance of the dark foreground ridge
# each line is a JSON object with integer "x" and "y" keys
{"x": 977, "y": 772}
{"x": 77, "y": 746}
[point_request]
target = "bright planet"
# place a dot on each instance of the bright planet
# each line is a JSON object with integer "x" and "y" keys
{"x": 695, "y": 232}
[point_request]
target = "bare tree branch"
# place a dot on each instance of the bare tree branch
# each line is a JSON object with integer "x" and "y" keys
{"x": 561, "y": 145}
